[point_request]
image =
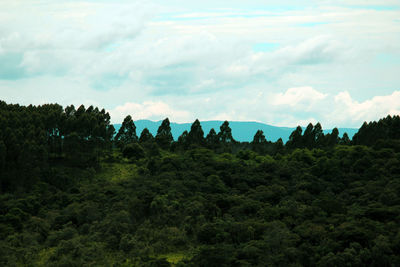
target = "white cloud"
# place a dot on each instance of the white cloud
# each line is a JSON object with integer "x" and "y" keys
{"x": 318, "y": 50}
{"x": 148, "y": 110}
{"x": 292, "y": 121}
{"x": 349, "y": 111}
{"x": 315, "y": 50}
{"x": 299, "y": 98}
{"x": 165, "y": 58}
{"x": 68, "y": 36}
{"x": 364, "y": 2}
{"x": 9, "y": 41}
{"x": 332, "y": 110}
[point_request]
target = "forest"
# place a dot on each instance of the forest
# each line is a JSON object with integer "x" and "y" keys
{"x": 74, "y": 192}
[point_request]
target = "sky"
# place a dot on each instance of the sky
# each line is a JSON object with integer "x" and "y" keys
{"x": 276, "y": 62}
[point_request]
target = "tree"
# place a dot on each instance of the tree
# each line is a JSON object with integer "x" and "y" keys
{"x": 279, "y": 146}
{"x": 308, "y": 139}
{"x": 127, "y": 133}
{"x": 318, "y": 135}
{"x": 196, "y": 134}
{"x": 110, "y": 132}
{"x": 259, "y": 138}
{"x": 218, "y": 255}
{"x": 385, "y": 129}
{"x": 225, "y": 134}
{"x": 332, "y": 139}
{"x": 146, "y": 136}
{"x": 212, "y": 139}
{"x": 313, "y": 136}
{"x": 345, "y": 140}
{"x": 73, "y": 148}
{"x": 80, "y": 111}
{"x": 3, "y": 152}
{"x": 147, "y": 142}
{"x": 133, "y": 151}
{"x": 183, "y": 140}
{"x": 295, "y": 138}
{"x": 259, "y": 142}
{"x": 164, "y": 135}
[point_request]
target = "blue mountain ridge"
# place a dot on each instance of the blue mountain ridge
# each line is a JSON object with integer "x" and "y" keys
{"x": 242, "y": 131}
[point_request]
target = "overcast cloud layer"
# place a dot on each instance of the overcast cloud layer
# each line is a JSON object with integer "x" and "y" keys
{"x": 337, "y": 62}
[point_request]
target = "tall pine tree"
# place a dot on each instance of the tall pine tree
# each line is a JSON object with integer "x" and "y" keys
{"x": 127, "y": 133}
{"x": 164, "y": 135}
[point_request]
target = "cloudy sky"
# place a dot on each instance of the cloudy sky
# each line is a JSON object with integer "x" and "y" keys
{"x": 337, "y": 62}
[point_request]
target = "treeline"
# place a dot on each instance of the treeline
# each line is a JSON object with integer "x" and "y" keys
{"x": 33, "y": 137}
{"x": 385, "y": 130}
{"x": 223, "y": 141}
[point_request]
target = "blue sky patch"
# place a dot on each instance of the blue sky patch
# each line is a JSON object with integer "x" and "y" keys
{"x": 311, "y": 24}
{"x": 10, "y": 66}
{"x": 265, "y": 47}
{"x": 388, "y": 58}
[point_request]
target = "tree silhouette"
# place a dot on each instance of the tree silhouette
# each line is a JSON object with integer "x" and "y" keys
{"x": 164, "y": 135}
{"x": 212, "y": 139}
{"x": 196, "y": 134}
{"x": 295, "y": 138}
{"x": 259, "y": 142}
{"x": 225, "y": 134}
{"x": 146, "y": 136}
{"x": 318, "y": 135}
{"x": 332, "y": 139}
{"x": 183, "y": 140}
{"x": 259, "y": 137}
{"x": 127, "y": 133}
{"x": 345, "y": 140}
{"x": 308, "y": 139}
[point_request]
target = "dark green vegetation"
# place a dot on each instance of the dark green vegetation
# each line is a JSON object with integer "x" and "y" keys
{"x": 75, "y": 193}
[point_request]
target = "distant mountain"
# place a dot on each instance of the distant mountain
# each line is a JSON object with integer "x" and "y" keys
{"x": 241, "y": 130}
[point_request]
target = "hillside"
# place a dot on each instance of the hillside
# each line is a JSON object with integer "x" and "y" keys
{"x": 76, "y": 193}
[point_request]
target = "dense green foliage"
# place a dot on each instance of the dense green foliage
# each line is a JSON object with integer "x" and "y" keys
{"x": 385, "y": 129}
{"x": 34, "y": 139}
{"x": 70, "y": 199}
